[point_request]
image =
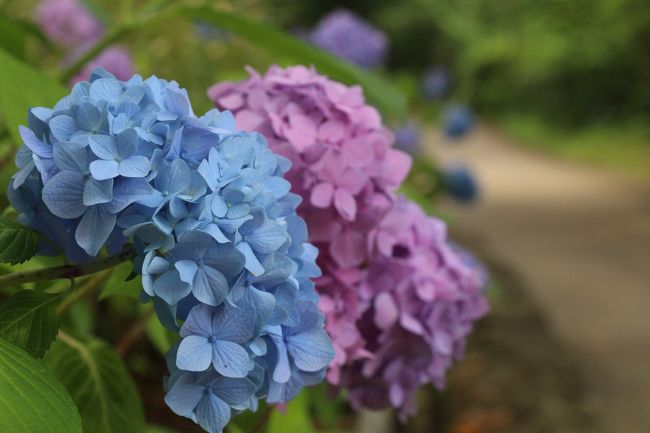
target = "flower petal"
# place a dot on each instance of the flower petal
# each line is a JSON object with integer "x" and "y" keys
{"x": 102, "y": 169}
{"x": 63, "y": 195}
{"x": 230, "y": 359}
{"x": 135, "y": 166}
{"x": 311, "y": 350}
{"x": 97, "y": 191}
{"x": 209, "y": 286}
{"x": 194, "y": 353}
{"x": 94, "y": 228}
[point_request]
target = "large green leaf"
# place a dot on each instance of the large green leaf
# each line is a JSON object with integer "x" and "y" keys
{"x": 23, "y": 87}
{"x": 99, "y": 383}
{"x": 379, "y": 92}
{"x": 17, "y": 242}
{"x": 31, "y": 399}
{"x": 29, "y": 320}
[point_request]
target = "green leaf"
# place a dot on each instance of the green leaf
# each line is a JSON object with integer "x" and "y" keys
{"x": 117, "y": 283}
{"x": 295, "y": 420}
{"x": 99, "y": 383}
{"x": 159, "y": 336}
{"x": 379, "y": 92}
{"x": 31, "y": 399}
{"x": 29, "y": 320}
{"x": 23, "y": 87}
{"x": 17, "y": 242}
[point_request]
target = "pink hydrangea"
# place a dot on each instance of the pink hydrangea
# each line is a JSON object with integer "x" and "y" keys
{"x": 398, "y": 299}
{"x": 68, "y": 22}
{"x": 343, "y": 163}
{"x": 114, "y": 59}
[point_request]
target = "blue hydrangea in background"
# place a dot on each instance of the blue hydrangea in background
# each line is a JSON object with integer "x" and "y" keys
{"x": 348, "y": 36}
{"x": 460, "y": 184}
{"x": 223, "y": 255}
{"x": 436, "y": 82}
{"x": 457, "y": 120}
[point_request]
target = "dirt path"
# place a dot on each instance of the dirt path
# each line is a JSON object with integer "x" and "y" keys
{"x": 580, "y": 237}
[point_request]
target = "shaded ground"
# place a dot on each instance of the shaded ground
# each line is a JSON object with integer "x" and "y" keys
{"x": 580, "y": 238}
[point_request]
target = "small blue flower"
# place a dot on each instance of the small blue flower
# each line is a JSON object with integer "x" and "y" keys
{"x": 209, "y": 399}
{"x": 457, "y": 120}
{"x": 460, "y": 184}
{"x": 218, "y": 337}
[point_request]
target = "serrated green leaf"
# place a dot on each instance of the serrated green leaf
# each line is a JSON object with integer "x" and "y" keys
{"x": 17, "y": 242}
{"x": 99, "y": 383}
{"x": 23, "y": 87}
{"x": 31, "y": 399}
{"x": 379, "y": 92}
{"x": 120, "y": 284}
{"x": 295, "y": 419}
{"x": 29, "y": 320}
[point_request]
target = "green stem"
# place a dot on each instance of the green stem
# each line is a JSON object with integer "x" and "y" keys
{"x": 65, "y": 271}
{"x": 87, "y": 287}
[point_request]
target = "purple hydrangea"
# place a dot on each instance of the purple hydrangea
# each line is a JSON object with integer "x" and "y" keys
{"x": 68, "y": 22}
{"x": 418, "y": 300}
{"x": 116, "y": 60}
{"x": 348, "y": 36}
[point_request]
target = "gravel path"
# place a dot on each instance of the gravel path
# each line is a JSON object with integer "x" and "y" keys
{"x": 580, "y": 237}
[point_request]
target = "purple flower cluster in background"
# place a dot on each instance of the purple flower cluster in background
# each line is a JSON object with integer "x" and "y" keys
{"x": 348, "y": 36}
{"x": 398, "y": 300}
{"x": 72, "y": 25}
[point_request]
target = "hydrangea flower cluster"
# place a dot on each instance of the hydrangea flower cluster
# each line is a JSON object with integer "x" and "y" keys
{"x": 71, "y": 24}
{"x": 419, "y": 299}
{"x": 460, "y": 184}
{"x": 398, "y": 300}
{"x": 457, "y": 120}
{"x": 348, "y": 36}
{"x": 68, "y": 22}
{"x": 219, "y": 244}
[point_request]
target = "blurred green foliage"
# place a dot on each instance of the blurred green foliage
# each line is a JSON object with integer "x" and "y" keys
{"x": 570, "y": 61}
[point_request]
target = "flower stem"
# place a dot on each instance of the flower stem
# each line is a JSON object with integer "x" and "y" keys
{"x": 65, "y": 271}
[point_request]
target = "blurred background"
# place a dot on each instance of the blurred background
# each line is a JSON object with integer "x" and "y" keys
{"x": 529, "y": 122}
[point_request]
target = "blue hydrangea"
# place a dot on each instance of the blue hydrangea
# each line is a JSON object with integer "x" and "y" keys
{"x": 460, "y": 184}
{"x": 457, "y": 120}
{"x": 222, "y": 253}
